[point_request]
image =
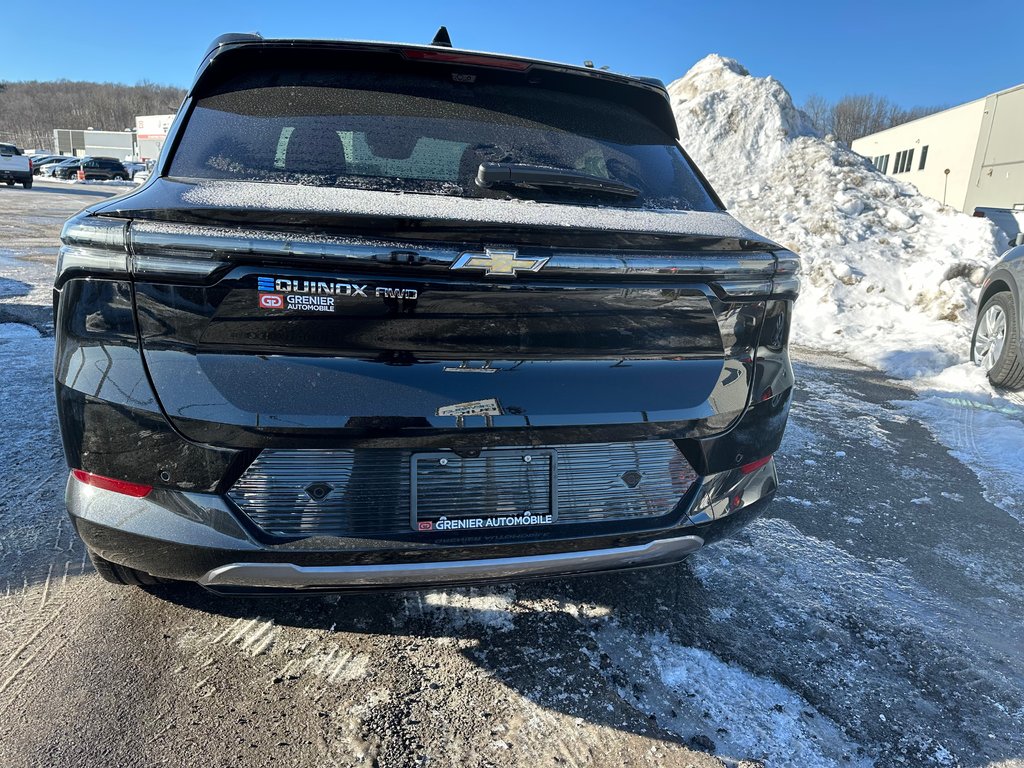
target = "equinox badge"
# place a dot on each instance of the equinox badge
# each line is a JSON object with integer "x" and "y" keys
{"x": 500, "y": 261}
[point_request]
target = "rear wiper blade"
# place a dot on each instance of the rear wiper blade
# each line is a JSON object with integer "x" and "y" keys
{"x": 516, "y": 174}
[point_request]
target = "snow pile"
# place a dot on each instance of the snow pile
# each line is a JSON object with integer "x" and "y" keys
{"x": 889, "y": 276}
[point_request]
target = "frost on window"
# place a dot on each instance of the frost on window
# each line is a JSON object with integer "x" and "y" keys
{"x": 423, "y": 136}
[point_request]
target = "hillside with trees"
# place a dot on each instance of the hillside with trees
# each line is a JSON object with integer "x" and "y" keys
{"x": 30, "y": 110}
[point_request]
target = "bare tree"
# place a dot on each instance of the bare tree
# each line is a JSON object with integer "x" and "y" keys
{"x": 859, "y": 115}
{"x": 819, "y": 111}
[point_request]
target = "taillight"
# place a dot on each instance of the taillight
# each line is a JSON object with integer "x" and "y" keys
{"x": 136, "y": 490}
{"x": 753, "y": 466}
{"x": 786, "y": 283}
{"x": 92, "y": 245}
{"x": 778, "y": 281}
{"x": 169, "y": 251}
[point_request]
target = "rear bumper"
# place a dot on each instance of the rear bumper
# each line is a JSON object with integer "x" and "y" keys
{"x": 401, "y": 575}
{"x": 187, "y": 528}
{"x": 200, "y": 538}
{"x": 18, "y": 176}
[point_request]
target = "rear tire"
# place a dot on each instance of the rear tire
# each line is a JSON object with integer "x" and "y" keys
{"x": 122, "y": 575}
{"x": 120, "y": 177}
{"x": 996, "y": 343}
{"x": 27, "y": 184}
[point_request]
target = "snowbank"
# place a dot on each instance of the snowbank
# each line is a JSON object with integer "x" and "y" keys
{"x": 889, "y": 276}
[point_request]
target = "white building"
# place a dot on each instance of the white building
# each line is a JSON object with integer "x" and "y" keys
{"x": 119, "y": 145}
{"x": 151, "y": 132}
{"x": 142, "y": 143}
{"x": 966, "y": 157}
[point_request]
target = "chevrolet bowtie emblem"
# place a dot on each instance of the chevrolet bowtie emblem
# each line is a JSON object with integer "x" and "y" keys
{"x": 500, "y": 261}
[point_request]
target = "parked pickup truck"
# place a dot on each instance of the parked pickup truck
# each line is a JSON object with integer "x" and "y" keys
{"x": 14, "y": 166}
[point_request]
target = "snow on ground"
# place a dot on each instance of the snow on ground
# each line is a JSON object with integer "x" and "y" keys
{"x": 99, "y": 182}
{"x": 890, "y": 277}
{"x": 750, "y": 716}
{"x": 17, "y": 331}
{"x": 983, "y": 428}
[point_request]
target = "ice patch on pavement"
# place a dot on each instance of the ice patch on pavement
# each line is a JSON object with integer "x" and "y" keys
{"x": 859, "y": 422}
{"x": 981, "y": 428}
{"x": 695, "y": 694}
{"x": 10, "y": 287}
{"x": 746, "y": 715}
{"x": 17, "y": 331}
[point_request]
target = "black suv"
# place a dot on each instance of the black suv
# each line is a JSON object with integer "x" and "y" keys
{"x": 96, "y": 168}
{"x": 393, "y": 315}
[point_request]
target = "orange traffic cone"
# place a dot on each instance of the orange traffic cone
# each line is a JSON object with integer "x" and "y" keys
{"x": 81, "y": 173}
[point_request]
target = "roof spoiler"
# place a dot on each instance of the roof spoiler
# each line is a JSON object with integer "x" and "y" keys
{"x": 233, "y": 37}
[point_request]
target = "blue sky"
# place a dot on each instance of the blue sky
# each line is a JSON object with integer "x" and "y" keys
{"x": 912, "y": 52}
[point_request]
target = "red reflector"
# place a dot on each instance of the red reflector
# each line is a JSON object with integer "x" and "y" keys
{"x": 746, "y": 469}
{"x": 110, "y": 484}
{"x": 466, "y": 58}
{"x": 979, "y": 215}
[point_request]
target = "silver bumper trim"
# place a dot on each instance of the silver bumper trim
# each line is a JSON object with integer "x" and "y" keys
{"x": 291, "y": 576}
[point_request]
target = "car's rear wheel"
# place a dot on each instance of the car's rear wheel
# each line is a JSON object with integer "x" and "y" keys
{"x": 122, "y": 574}
{"x": 996, "y": 344}
{"x": 120, "y": 177}
{"x": 27, "y": 184}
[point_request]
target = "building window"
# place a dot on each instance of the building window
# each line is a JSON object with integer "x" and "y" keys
{"x": 885, "y": 164}
{"x": 924, "y": 157}
{"x": 905, "y": 160}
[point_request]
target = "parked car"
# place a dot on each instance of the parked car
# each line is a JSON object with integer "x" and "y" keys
{"x": 57, "y": 170}
{"x": 40, "y": 164}
{"x": 64, "y": 170}
{"x": 1009, "y": 220}
{"x": 15, "y": 168}
{"x": 96, "y": 168}
{"x": 554, "y": 353}
{"x": 998, "y": 344}
{"x": 133, "y": 167}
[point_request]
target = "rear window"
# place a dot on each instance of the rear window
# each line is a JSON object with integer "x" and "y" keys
{"x": 399, "y": 132}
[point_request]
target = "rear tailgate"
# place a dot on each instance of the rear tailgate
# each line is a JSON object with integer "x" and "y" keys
{"x": 13, "y": 164}
{"x": 254, "y": 336}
